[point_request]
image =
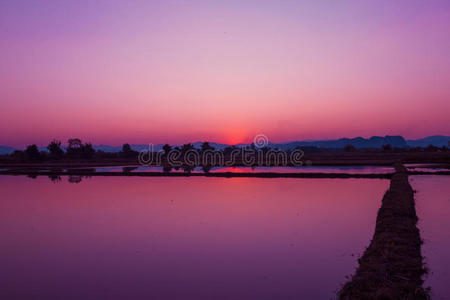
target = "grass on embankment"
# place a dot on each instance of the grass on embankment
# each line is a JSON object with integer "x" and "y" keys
{"x": 392, "y": 265}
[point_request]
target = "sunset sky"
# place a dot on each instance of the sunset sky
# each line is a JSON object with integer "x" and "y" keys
{"x": 111, "y": 72}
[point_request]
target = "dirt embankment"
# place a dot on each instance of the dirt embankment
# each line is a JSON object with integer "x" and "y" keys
{"x": 392, "y": 266}
{"x": 316, "y": 159}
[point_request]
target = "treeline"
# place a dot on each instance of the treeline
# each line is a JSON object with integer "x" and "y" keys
{"x": 76, "y": 150}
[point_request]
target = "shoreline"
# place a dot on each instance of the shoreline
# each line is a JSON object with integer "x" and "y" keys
{"x": 185, "y": 174}
{"x": 314, "y": 159}
{"x": 83, "y": 172}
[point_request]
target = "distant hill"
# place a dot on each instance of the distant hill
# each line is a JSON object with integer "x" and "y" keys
{"x": 358, "y": 142}
{"x": 436, "y": 140}
{"x": 217, "y": 146}
{"x": 6, "y": 150}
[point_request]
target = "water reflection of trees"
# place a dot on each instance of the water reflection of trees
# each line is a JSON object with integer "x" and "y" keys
{"x": 75, "y": 178}
{"x": 55, "y": 178}
{"x": 70, "y": 179}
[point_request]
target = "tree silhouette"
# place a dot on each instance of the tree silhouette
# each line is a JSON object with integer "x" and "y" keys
{"x": 187, "y": 147}
{"x": 126, "y": 148}
{"x": 87, "y": 151}
{"x": 55, "y": 149}
{"x": 32, "y": 152}
{"x": 206, "y": 146}
{"x": 74, "y": 150}
{"x": 166, "y": 148}
{"x": 74, "y": 143}
{"x": 127, "y": 151}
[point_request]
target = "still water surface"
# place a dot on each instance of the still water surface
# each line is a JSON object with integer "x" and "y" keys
{"x": 433, "y": 210}
{"x": 183, "y": 238}
{"x": 302, "y": 169}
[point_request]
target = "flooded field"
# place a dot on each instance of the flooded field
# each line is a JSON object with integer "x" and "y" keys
{"x": 427, "y": 167}
{"x": 183, "y": 238}
{"x": 302, "y": 169}
{"x": 433, "y": 210}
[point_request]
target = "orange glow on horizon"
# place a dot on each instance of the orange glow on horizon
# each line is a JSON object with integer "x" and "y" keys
{"x": 235, "y": 136}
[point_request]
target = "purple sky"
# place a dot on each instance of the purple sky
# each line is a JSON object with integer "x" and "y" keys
{"x": 224, "y": 71}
